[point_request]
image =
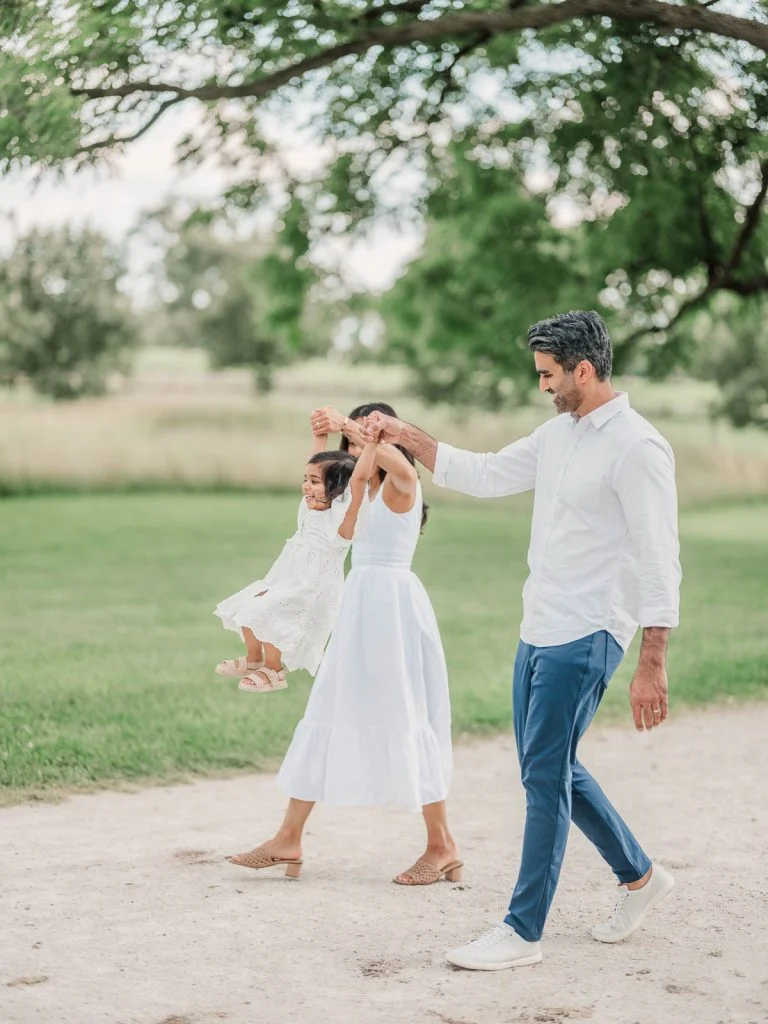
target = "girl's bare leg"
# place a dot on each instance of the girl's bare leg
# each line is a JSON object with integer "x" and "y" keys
{"x": 253, "y": 645}
{"x": 441, "y": 846}
{"x": 272, "y": 657}
{"x": 257, "y": 680}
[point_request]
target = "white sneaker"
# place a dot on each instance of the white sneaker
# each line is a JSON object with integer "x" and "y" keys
{"x": 633, "y": 905}
{"x": 496, "y": 949}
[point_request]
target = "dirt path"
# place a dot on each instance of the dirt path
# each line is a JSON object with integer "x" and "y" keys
{"x": 117, "y": 908}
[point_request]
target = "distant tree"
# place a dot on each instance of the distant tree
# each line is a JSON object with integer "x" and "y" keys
{"x": 243, "y": 299}
{"x": 492, "y": 263}
{"x": 733, "y": 347}
{"x": 65, "y": 326}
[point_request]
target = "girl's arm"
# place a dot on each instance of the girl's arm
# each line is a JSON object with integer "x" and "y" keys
{"x": 319, "y": 440}
{"x": 357, "y": 485}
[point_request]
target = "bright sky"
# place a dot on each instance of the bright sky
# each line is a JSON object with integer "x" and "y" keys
{"x": 113, "y": 197}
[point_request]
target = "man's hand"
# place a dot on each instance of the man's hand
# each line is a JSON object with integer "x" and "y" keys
{"x": 326, "y": 421}
{"x": 383, "y": 429}
{"x": 649, "y": 690}
{"x": 648, "y": 695}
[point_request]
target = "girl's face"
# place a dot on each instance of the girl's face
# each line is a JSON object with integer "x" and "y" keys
{"x": 313, "y": 488}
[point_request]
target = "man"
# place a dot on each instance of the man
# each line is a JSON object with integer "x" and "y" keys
{"x": 603, "y": 558}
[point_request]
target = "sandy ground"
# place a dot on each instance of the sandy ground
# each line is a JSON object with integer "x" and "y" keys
{"x": 118, "y": 907}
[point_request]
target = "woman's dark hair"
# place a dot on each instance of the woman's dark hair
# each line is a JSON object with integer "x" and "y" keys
{"x": 337, "y": 469}
{"x": 359, "y": 413}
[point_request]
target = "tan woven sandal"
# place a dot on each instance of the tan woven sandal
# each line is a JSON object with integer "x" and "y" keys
{"x": 424, "y": 873}
{"x": 254, "y": 683}
{"x": 236, "y": 668}
{"x": 257, "y": 859}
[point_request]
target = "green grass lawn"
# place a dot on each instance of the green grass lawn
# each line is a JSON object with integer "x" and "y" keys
{"x": 108, "y": 638}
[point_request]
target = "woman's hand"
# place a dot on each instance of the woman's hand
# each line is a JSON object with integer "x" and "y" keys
{"x": 327, "y": 421}
{"x": 319, "y": 437}
{"x": 314, "y": 420}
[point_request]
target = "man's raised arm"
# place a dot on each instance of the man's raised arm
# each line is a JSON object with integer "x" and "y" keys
{"x": 483, "y": 475}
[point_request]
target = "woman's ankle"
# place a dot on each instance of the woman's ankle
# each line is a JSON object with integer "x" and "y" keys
{"x": 289, "y": 837}
{"x": 440, "y": 839}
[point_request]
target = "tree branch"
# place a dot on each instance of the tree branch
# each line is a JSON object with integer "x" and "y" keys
{"x": 451, "y": 26}
{"x": 708, "y": 241}
{"x": 719, "y": 275}
{"x": 116, "y": 140}
{"x": 408, "y": 7}
{"x": 709, "y": 248}
{"x": 751, "y": 221}
{"x": 447, "y": 75}
{"x": 750, "y": 286}
{"x": 687, "y": 307}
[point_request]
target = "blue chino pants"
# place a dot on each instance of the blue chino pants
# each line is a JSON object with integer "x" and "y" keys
{"x": 556, "y": 692}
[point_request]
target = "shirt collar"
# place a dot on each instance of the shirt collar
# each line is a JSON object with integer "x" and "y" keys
{"x": 603, "y": 413}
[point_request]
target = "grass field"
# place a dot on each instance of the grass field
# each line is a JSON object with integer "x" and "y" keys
{"x": 108, "y": 640}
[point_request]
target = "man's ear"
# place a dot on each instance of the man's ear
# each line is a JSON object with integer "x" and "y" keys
{"x": 584, "y": 371}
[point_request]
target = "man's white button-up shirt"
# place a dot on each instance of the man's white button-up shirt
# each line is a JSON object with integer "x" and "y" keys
{"x": 604, "y": 551}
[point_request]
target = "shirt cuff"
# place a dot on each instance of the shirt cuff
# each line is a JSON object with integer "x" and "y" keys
{"x": 668, "y": 618}
{"x": 442, "y": 462}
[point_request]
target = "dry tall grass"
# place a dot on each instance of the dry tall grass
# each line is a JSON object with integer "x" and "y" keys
{"x": 177, "y": 425}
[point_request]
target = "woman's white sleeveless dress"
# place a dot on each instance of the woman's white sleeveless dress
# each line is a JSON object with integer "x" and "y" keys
{"x": 377, "y": 727}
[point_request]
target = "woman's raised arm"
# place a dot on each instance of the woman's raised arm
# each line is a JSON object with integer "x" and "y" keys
{"x": 399, "y": 487}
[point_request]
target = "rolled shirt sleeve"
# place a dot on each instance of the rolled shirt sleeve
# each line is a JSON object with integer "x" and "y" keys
{"x": 645, "y": 484}
{"x": 488, "y": 475}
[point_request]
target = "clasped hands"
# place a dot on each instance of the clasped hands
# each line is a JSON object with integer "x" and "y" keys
{"x": 376, "y": 428}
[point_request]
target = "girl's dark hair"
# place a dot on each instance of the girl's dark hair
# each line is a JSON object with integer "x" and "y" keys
{"x": 359, "y": 413}
{"x": 337, "y": 469}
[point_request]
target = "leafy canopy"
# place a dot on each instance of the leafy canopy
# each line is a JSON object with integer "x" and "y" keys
{"x": 607, "y": 153}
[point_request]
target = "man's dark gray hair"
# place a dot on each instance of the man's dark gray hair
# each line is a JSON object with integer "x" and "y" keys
{"x": 571, "y": 337}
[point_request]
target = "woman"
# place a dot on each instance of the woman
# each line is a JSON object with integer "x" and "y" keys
{"x": 377, "y": 727}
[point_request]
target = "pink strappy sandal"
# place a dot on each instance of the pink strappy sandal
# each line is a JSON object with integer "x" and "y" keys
{"x": 263, "y": 681}
{"x": 236, "y": 668}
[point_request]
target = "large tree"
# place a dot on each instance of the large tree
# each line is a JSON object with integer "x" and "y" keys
{"x": 642, "y": 120}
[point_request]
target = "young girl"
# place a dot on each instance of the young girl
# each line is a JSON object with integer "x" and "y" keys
{"x": 285, "y": 618}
